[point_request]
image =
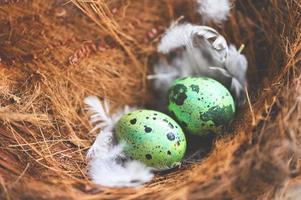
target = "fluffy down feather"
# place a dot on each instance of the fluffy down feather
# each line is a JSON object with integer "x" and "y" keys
{"x": 216, "y": 11}
{"x": 108, "y": 166}
{"x": 112, "y": 170}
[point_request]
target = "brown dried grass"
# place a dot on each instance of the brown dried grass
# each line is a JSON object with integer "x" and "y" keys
{"x": 54, "y": 54}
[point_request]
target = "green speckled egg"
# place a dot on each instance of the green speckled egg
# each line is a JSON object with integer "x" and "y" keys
{"x": 201, "y": 105}
{"x": 152, "y": 138}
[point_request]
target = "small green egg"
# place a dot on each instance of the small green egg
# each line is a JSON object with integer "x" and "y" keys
{"x": 201, "y": 105}
{"x": 152, "y": 138}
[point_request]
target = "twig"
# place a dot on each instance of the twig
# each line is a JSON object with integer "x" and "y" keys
{"x": 250, "y": 106}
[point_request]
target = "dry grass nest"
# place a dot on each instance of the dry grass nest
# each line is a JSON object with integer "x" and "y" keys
{"x": 56, "y": 53}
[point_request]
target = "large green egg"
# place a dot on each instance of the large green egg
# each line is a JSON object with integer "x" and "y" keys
{"x": 201, "y": 105}
{"x": 152, "y": 138}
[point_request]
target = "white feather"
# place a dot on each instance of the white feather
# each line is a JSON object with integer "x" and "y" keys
{"x": 102, "y": 144}
{"x": 164, "y": 74}
{"x": 108, "y": 171}
{"x": 238, "y": 89}
{"x": 195, "y": 55}
{"x": 183, "y": 35}
{"x": 236, "y": 64}
{"x": 191, "y": 60}
{"x": 108, "y": 166}
{"x": 98, "y": 112}
{"x": 216, "y": 11}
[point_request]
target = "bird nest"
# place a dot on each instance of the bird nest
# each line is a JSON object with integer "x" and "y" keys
{"x": 55, "y": 54}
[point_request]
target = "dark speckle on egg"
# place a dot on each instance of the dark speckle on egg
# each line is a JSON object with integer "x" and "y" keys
{"x": 178, "y": 94}
{"x": 148, "y": 156}
{"x": 195, "y": 88}
{"x": 170, "y": 136}
{"x": 168, "y": 152}
{"x": 220, "y": 115}
{"x": 133, "y": 121}
{"x": 147, "y": 129}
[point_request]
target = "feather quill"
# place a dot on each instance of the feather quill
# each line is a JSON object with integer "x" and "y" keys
{"x": 108, "y": 166}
